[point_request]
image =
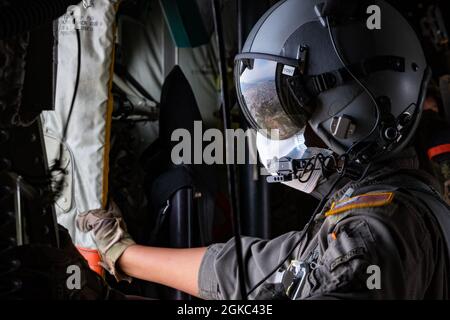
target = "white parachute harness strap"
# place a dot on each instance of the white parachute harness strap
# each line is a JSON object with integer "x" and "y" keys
{"x": 86, "y": 142}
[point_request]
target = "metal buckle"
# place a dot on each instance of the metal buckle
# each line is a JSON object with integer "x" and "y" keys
{"x": 323, "y": 82}
{"x": 294, "y": 278}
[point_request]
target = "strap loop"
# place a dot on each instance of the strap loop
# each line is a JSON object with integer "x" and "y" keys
{"x": 329, "y": 80}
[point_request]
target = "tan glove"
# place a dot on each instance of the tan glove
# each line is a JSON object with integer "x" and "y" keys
{"x": 111, "y": 236}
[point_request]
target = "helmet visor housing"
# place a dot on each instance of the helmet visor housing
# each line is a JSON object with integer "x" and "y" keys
{"x": 265, "y": 94}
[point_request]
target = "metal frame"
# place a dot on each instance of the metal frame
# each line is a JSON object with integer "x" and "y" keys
{"x": 270, "y": 57}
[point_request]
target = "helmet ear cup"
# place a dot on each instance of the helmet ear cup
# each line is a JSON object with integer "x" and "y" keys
{"x": 388, "y": 126}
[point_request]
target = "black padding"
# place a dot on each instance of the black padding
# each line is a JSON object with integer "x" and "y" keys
{"x": 179, "y": 109}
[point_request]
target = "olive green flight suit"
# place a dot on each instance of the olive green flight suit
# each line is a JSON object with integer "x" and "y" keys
{"x": 396, "y": 239}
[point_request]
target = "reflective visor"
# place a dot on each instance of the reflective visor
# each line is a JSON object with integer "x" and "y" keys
{"x": 263, "y": 93}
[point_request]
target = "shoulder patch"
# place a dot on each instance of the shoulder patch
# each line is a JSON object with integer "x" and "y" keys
{"x": 371, "y": 200}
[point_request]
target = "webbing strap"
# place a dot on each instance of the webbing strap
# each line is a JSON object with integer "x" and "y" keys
{"x": 329, "y": 80}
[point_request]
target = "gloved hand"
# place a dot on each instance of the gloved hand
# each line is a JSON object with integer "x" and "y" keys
{"x": 110, "y": 234}
{"x": 38, "y": 272}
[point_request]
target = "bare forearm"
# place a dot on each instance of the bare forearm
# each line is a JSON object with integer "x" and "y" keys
{"x": 175, "y": 268}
